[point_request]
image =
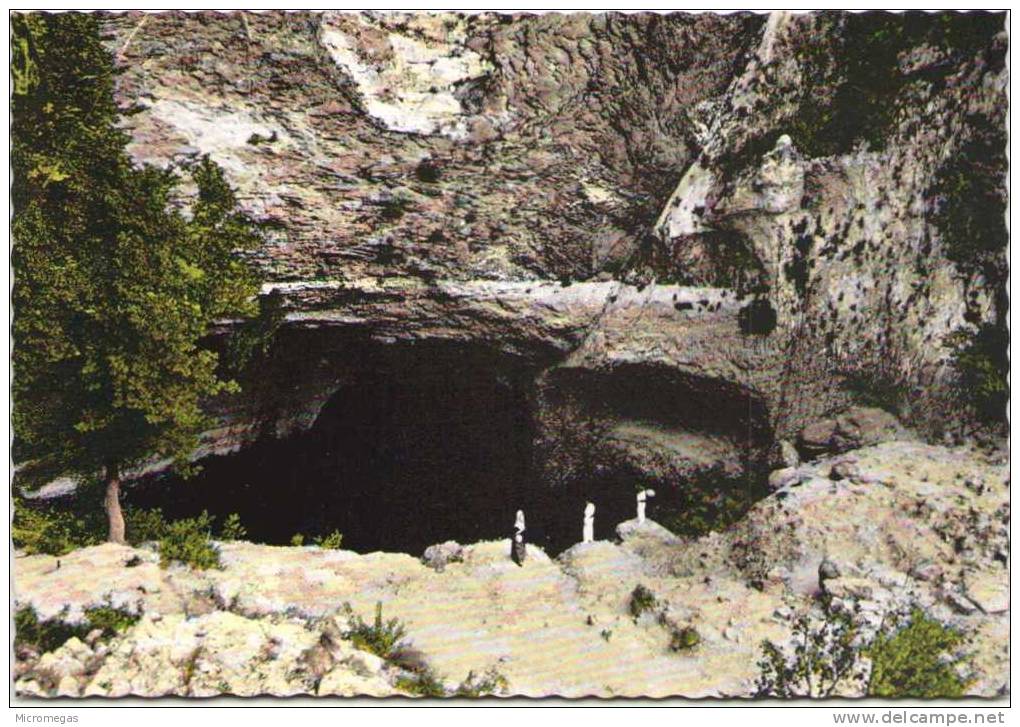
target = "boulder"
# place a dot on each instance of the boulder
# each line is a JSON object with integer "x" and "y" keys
{"x": 865, "y": 426}
{"x": 857, "y": 427}
{"x": 827, "y": 570}
{"x": 439, "y": 556}
{"x": 843, "y": 471}
{"x": 988, "y": 589}
{"x": 783, "y": 478}
{"x": 816, "y": 438}
{"x": 648, "y": 530}
{"x": 788, "y": 455}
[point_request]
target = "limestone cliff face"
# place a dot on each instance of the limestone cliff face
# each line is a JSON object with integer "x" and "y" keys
{"x": 478, "y": 146}
{"x": 445, "y": 176}
{"x": 822, "y": 163}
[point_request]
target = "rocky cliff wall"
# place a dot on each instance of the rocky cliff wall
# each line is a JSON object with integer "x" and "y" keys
{"x": 823, "y": 165}
{"x": 441, "y": 176}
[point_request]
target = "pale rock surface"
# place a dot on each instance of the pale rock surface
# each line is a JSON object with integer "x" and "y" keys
{"x": 268, "y": 611}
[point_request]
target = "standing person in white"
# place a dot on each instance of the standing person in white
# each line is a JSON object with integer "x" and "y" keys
{"x": 518, "y": 548}
{"x": 642, "y": 498}
{"x": 588, "y": 534}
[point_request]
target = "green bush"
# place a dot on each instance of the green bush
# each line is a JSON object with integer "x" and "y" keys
{"x": 57, "y": 527}
{"x": 297, "y": 540}
{"x": 981, "y": 360}
{"x": 877, "y": 384}
{"x": 642, "y": 600}
{"x": 910, "y": 662}
{"x": 331, "y": 541}
{"x": 423, "y": 684}
{"x": 684, "y": 639}
{"x": 381, "y": 638}
{"x": 144, "y": 526}
{"x": 393, "y": 208}
{"x": 406, "y": 657}
{"x": 43, "y": 636}
{"x": 110, "y": 620}
{"x": 491, "y": 682}
{"x": 971, "y": 189}
{"x": 188, "y": 541}
{"x": 256, "y": 138}
{"x": 824, "y": 658}
{"x": 232, "y": 528}
{"x": 428, "y": 171}
{"x": 53, "y": 530}
{"x": 51, "y": 634}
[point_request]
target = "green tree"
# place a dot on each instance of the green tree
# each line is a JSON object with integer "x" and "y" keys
{"x": 116, "y": 283}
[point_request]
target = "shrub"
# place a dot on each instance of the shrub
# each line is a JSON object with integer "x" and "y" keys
{"x": 910, "y": 663}
{"x": 707, "y": 502}
{"x": 51, "y": 634}
{"x": 297, "y": 540}
{"x": 684, "y": 639}
{"x": 393, "y": 208}
{"x": 110, "y": 620}
{"x": 252, "y": 340}
{"x": 491, "y": 682}
{"x": 981, "y": 360}
{"x": 256, "y": 138}
{"x": 428, "y": 171}
{"x": 331, "y": 541}
{"x": 971, "y": 193}
{"x": 408, "y": 658}
{"x": 48, "y": 528}
{"x": 381, "y": 638}
{"x": 144, "y": 526}
{"x": 188, "y": 541}
{"x": 423, "y": 684}
{"x": 757, "y": 318}
{"x": 824, "y": 658}
{"x": 878, "y": 386}
{"x": 232, "y": 528}
{"x": 642, "y": 600}
{"x": 44, "y": 636}
{"x": 58, "y": 527}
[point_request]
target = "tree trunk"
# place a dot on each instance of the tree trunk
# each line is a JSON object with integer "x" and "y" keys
{"x": 112, "y": 503}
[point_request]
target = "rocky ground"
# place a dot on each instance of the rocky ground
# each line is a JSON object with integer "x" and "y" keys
{"x": 896, "y": 524}
{"x": 713, "y": 236}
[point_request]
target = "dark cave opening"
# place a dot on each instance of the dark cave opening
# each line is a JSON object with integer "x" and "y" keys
{"x": 701, "y": 443}
{"x": 427, "y": 443}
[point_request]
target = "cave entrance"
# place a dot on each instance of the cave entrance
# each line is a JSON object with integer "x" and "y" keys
{"x": 425, "y": 443}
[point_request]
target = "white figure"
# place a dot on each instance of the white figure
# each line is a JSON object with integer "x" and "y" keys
{"x": 518, "y": 548}
{"x": 588, "y": 535}
{"x": 642, "y": 497}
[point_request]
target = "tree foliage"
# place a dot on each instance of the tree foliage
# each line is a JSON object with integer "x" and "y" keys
{"x": 824, "y": 659}
{"x": 189, "y": 541}
{"x": 916, "y": 660}
{"x": 911, "y": 656}
{"x": 981, "y": 360}
{"x": 116, "y": 282}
